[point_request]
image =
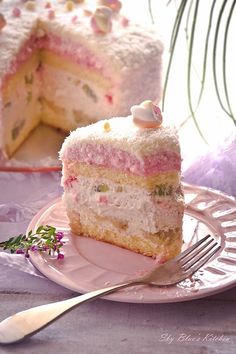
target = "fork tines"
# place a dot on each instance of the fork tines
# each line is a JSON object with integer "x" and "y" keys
{"x": 196, "y": 256}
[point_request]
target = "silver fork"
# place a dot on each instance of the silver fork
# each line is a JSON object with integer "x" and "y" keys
{"x": 26, "y": 323}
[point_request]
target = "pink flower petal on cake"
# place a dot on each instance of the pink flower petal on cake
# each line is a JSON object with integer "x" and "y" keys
{"x": 51, "y": 14}
{"x": 48, "y": 5}
{"x": 125, "y": 21}
{"x": 74, "y": 19}
{"x": 157, "y": 113}
{"x": 16, "y": 12}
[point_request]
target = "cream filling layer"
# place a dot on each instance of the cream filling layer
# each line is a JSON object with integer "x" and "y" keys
{"x": 139, "y": 210}
{"x": 81, "y": 95}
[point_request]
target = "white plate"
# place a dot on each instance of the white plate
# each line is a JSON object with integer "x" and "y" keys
{"x": 90, "y": 264}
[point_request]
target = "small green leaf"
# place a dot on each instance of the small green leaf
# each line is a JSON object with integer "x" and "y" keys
{"x": 39, "y": 229}
{"x": 45, "y": 239}
{"x": 18, "y": 239}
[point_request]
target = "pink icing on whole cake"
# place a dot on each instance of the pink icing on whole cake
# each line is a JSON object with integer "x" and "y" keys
{"x": 75, "y": 52}
{"x": 56, "y": 69}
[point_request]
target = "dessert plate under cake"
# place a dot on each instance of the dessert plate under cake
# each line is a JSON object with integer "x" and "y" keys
{"x": 84, "y": 269}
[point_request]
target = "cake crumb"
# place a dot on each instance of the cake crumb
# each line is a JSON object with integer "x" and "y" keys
{"x": 70, "y": 5}
{"x": 106, "y": 126}
{"x": 30, "y": 5}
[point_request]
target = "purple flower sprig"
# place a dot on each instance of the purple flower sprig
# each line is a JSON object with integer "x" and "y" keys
{"x": 45, "y": 239}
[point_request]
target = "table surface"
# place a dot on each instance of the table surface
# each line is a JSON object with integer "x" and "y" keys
{"x": 205, "y": 325}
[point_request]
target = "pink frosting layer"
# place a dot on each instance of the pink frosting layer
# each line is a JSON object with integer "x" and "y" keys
{"x": 117, "y": 159}
{"x": 75, "y": 52}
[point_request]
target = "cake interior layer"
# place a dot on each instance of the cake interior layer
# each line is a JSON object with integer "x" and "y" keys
{"x": 27, "y": 73}
{"x": 74, "y": 49}
{"x": 140, "y": 209}
{"x": 97, "y": 172}
{"x": 36, "y": 92}
{"x": 64, "y": 64}
{"x": 58, "y": 117}
{"x": 87, "y": 94}
{"x": 143, "y": 214}
{"x": 164, "y": 245}
{"x": 21, "y": 110}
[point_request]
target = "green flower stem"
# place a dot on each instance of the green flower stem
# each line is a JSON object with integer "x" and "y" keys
{"x": 174, "y": 37}
{"x": 204, "y": 66}
{"x": 214, "y": 58}
{"x": 224, "y": 59}
{"x": 150, "y": 10}
{"x": 45, "y": 239}
{"x": 191, "y": 42}
{"x": 188, "y": 20}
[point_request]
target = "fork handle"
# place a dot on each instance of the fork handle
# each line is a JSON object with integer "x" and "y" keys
{"x": 26, "y": 323}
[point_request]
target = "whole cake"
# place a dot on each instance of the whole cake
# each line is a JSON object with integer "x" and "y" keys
{"x": 122, "y": 182}
{"x": 71, "y": 63}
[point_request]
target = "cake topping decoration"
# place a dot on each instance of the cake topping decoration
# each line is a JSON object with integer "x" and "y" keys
{"x": 51, "y": 14}
{"x": 124, "y": 21}
{"x": 2, "y": 21}
{"x": 48, "y": 5}
{"x": 16, "y": 12}
{"x": 74, "y": 19}
{"x": 101, "y": 20}
{"x": 114, "y": 5}
{"x": 106, "y": 127}
{"x": 70, "y": 5}
{"x": 146, "y": 115}
{"x": 30, "y": 5}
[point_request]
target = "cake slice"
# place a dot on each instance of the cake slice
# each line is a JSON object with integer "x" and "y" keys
{"x": 122, "y": 183}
